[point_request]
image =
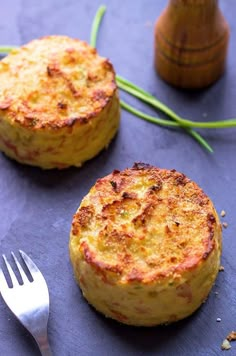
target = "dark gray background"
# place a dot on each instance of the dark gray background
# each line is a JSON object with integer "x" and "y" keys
{"x": 37, "y": 206}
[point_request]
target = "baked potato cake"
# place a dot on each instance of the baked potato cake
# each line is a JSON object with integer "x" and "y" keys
{"x": 145, "y": 245}
{"x": 59, "y": 103}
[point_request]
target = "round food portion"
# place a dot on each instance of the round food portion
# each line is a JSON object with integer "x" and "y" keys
{"x": 145, "y": 245}
{"x": 59, "y": 103}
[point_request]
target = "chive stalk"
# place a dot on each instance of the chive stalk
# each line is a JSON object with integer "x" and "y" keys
{"x": 147, "y": 117}
{"x": 96, "y": 24}
{"x": 150, "y": 99}
{"x": 166, "y": 123}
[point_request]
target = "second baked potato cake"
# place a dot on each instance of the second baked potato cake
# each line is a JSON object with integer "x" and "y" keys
{"x": 145, "y": 245}
{"x": 59, "y": 103}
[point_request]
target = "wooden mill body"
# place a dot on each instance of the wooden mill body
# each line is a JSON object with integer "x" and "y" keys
{"x": 191, "y": 40}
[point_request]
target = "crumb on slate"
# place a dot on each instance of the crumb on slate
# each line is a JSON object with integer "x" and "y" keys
{"x": 221, "y": 268}
{"x": 218, "y": 320}
{"x": 225, "y": 225}
{"x": 225, "y": 345}
{"x": 231, "y": 336}
{"x": 223, "y": 213}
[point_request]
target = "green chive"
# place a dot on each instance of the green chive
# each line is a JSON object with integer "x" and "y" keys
{"x": 147, "y": 117}
{"x": 163, "y": 122}
{"x": 96, "y": 24}
{"x": 150, "y": 99}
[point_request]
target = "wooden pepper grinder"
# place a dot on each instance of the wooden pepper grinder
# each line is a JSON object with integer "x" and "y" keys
{"x": 191, "y": 40}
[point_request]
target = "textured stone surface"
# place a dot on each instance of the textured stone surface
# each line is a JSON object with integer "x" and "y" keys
{"x": 36, "y": 207}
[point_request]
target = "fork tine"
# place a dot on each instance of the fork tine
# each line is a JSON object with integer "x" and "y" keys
{"x": 29, "y": 263}
{"x": 10, "y": 271}
{"x": 22, "y": 272}
{"x": 28, "y": 302}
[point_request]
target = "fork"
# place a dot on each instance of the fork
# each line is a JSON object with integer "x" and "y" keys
{"x": 28, "y": 300}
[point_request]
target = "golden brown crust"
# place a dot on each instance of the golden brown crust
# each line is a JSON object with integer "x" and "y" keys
{"x": 171, "y": 214}
{"x": 145, "y": 245}
{"x": 30, "y": 93}
{"x": 59, "y": 102}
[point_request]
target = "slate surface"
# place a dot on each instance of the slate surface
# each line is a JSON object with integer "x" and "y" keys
{"x": 36, "y": 207}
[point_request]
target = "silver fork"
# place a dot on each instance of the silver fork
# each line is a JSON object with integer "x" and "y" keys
{"x": 29, "y": 301}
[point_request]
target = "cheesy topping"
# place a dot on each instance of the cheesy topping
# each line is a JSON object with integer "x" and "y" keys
{"x": 59, "y": 103}
{"x": 54, "y": 81}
